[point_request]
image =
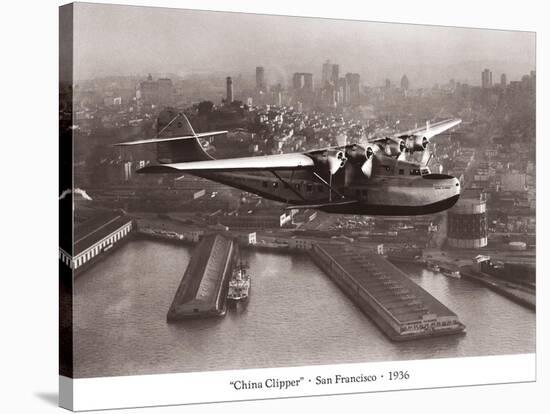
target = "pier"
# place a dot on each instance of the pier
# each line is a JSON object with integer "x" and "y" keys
{"x": 203, "y": 287}
{"x": 398, "y": 306}
{"x": 515, "y": 292}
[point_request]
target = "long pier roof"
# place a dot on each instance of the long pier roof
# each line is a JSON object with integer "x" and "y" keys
{"x": 391, "y": 287}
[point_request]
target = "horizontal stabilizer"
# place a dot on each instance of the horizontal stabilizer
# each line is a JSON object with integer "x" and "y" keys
{"x": 171, "y": 139}
{"x": 261, "y": 163}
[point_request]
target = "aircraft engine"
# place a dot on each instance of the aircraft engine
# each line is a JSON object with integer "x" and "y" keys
{"x": 367, "y": 165}
{"x": 358, "y": 155}
{"x": 336, "y": 160}
{"x": 355, "y": 154}
{"x": 416, "y": 143}
{"x": 393, "y": 148}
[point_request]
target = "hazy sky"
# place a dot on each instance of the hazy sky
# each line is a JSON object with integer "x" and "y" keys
{"x": 123, "y": 40}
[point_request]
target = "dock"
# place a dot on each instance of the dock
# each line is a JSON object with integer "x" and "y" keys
{"x": 203, "y": 287}
{"x": 512, "y": 291}
{"x": 399, "y": 307}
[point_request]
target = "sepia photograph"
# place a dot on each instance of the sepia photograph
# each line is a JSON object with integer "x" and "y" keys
{"x": 248, "y": 191}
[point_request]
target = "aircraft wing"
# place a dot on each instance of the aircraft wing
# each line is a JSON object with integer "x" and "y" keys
{"x": 157, "y": 140}
{"x": 430, "y": 130}
{"x": 260, "y": 163}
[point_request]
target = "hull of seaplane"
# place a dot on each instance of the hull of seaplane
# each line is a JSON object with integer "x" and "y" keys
{"x": 382, "y": 195}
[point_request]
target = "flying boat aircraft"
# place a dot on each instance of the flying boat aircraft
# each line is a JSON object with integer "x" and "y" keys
{"x": 376, "y": 178}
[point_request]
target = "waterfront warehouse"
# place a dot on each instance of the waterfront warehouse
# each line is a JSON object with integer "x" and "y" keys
{"x": 401, "y": 308}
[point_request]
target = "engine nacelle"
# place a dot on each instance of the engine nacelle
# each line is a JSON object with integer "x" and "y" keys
{"x": 356, "y": 154}
{"x": 336, "y": 160}
{"x": 393, "y": 148}
{"x": 416, "y": 143}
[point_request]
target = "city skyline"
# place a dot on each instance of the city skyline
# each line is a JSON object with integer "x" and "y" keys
{"x": 187, "y": 45}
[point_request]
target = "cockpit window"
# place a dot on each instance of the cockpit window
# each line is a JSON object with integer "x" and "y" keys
{"x": 414, "y": 171}
{"x": 424, "y": 171}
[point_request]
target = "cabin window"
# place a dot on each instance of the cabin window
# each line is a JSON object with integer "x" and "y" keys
{"x": 401, "y": 171}
{"x": 275, "y": 184}
{"x": 414, "y": 171}
{"x": 285, "y": 185}
{"x": 386, "y": 167}
{"x": 264, "y": 184}
{"x": 309, "y": 188}
{"x": 297, "y": 186}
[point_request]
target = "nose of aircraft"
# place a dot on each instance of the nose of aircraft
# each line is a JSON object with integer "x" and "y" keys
{"x": 456, "y": 185}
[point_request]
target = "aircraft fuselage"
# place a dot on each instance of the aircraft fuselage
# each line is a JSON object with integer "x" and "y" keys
{"x": 390, "y": 195}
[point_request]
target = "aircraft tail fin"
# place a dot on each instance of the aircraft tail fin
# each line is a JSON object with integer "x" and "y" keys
{"x": 180, "y": 142}
{"x": 173, "y": 123}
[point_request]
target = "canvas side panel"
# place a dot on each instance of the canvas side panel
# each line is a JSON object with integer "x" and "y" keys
{"x": 65, "y": 191}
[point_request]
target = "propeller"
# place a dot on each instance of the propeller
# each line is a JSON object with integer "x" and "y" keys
{"x": 425, "y": 142}
{"x": 413, "y": 143}
{"x": 367, "y": 165}
{"x": 336, "y": 160}
{"x": 394, "y": 148}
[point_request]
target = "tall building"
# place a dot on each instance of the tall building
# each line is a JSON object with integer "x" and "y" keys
{"x": 335, "y": 74}
{"x": 331, "y": 74}
{"x": 260, "y": 78}
{"x": 165, "y": 91}
{"x": 503, "y": 80}
{"x": 302, "y": 81}
{"x": 343, "y": 92}
{"x": 327, "y": 73}
{"x": 277, "y": 95}
{"x": 308, "y": 82}
{"x": 148, "y": 91}
{"x": 354, "y": 83}
{"x": 405, "y": 83}
{"x": 486, "y": 79}
{"x": 229, "y": 90}
{"x": 297, "y": 81}
{"x": 159, "y": 92}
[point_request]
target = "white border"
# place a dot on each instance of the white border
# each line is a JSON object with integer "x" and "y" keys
{"x": 29, "y": 194}
{"x": 216, "y": 386}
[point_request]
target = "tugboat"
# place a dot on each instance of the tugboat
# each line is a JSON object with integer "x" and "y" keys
{"x": 450, "y": 272}
{"x": 433, "y": 267}
{"x": 239, "y": 284}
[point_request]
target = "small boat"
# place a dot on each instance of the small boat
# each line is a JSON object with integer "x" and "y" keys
{"x": 433, "y": 267}
{"x": 450, "y": 272}
{"x": 239, "y": 284}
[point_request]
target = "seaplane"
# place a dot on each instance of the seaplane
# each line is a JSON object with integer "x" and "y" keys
{"x": 377, "y": 177}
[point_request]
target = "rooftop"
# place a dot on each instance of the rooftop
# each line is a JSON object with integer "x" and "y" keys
{"x": 400, "y": 296}
{"x": 204, "y": 273}
{"x": 95, "y": 227}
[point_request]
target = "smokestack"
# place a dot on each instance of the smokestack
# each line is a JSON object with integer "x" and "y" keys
{"x": 229, "y": 86}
